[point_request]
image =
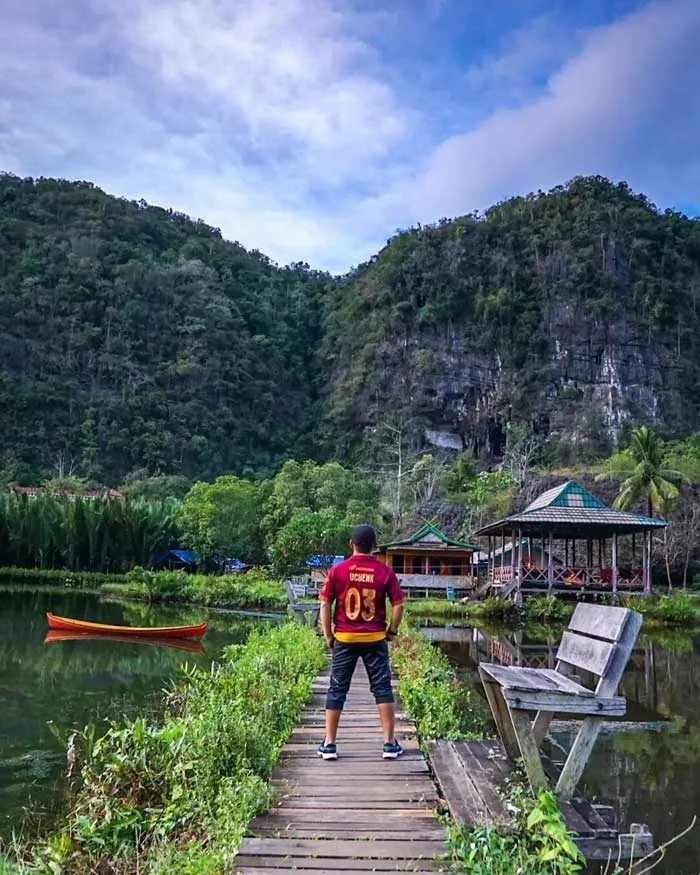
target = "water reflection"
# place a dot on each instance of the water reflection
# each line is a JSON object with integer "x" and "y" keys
{"x": 174, "y": 643}
{"x": 647, "y": 764}
{"x": 73, "y": 680}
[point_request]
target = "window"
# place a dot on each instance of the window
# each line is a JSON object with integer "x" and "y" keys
{"x": 397, "y": 564}
{"x": 433, "y": 565}
{"x": 417, "y": 566}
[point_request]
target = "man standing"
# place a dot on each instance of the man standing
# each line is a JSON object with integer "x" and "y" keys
{"x": 359, "y": 586}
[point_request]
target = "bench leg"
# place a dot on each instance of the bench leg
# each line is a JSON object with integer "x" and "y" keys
{"x": 540, "y": 725}
{"x": 501, "y": 716}
{"x": 578, "y": 757}
{"x": 529, "y": 748}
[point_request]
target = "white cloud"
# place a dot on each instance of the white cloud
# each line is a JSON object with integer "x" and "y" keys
{"x": 597, "y": 115}
{"x": 277, "y": 120}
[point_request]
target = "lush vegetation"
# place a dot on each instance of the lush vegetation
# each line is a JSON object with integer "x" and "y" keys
{"x": 253, "y": 590}
{"x": 53, "y": 530}
{"x": 135, "y": 339}
{"x": 438, "y": 703}
{"x": 538, "y": 844}
{"x": 525, "y": 305}
{"x": 489, "y": 609}
{"x": 176, "y": 796}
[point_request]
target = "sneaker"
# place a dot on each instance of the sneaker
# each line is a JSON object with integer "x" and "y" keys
{"x": 392, "y": 750}
{"x": 327, "y": 751}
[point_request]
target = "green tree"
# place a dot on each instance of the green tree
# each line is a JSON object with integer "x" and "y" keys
{"x": 308, "y": 533}
{"x": 325, "y": 488}
{"x": 647, "y": 477}
{"x": 222, "y": 517}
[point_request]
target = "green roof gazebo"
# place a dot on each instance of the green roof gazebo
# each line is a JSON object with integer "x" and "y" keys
{"x": 577, "y": 520}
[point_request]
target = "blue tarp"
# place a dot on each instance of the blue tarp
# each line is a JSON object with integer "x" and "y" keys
{"x": 189, "y": 557}
{"x": 323, "y": 561}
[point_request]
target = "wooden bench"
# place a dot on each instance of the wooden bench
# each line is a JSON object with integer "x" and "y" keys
{"x": 599, "y": 641}
{"x": 301, "y": 609}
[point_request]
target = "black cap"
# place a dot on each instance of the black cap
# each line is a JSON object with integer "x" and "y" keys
{"x": 363, "y": 537}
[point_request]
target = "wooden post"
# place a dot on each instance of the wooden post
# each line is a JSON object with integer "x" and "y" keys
{"x": 543, "y": 548}
{"x": 512, "y": 555}
{"x": 573, "y": 553}
{"x": 529, "y": 551}
{"x": 550, "y": 564}
{"x": 614, "y": 563}
{"x": 634, "y": 548}
{"x": 490, "y": 570}
{"x": 647, "y": 562}
{"x": 503, "y": 550}
{"x": 600, "y": 552}
{"x": 566, "y": 552}
{"x": 519, "y": 596}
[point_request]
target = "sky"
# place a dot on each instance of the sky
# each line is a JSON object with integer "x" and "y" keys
{"x": 312, "y": 130}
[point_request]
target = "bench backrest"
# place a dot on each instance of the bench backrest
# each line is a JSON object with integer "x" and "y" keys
{"x": 599, "y": 640}
{"x": 294, "y": 590}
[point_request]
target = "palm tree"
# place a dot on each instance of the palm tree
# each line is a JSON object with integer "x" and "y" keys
{"x": 647, "y": 478}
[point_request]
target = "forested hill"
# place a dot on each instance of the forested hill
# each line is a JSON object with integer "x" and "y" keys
{"x": 134, "y": 338}
{"x": 576, "y": 312}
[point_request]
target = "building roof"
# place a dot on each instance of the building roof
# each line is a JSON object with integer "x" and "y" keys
{"x": 570, "y": 511}
{"x": 323, "y": 561}
{"x": 426, "y": 538}
{"x": 189, "y": 557}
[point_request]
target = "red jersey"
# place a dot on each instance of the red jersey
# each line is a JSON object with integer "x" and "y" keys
{"x": 359, "y": 586}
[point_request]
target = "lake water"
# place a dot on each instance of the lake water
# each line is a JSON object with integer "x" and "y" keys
{"x": 75, "y": 682}
{"x": 649, "y": 770}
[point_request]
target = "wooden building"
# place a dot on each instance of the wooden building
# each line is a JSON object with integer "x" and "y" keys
{"x": 585, "y": 532}
{"x": 429, "y": 560}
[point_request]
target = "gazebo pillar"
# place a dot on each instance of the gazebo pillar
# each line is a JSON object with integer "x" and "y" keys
{"x": 512, "y": 555}
{"x": 566, "y": 552}
{"x": 646, "y": 562}
{"x": 491, "y": 575}
{"x": 550, "y": 563}
{"x": 519, "y": 595}
{"x": 503, "y": 551}
{"x": 614, "y": 563}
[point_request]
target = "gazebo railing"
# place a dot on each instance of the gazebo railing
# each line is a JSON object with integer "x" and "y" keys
{"x": 575, "y": 576}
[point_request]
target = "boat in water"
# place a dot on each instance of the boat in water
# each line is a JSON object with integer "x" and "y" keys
{"x": 188, "y": 644}
{"x": 66, "y": 624}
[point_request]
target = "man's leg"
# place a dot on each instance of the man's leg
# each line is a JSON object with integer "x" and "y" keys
{"x": 376, "y": 660}
{"x": 342, "y": 669}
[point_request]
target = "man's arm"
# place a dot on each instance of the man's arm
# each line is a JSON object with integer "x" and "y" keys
{"x": 326, "y": 623}
{"x": 396, "y": 615}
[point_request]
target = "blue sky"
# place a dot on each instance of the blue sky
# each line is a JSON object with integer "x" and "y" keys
{"x": 313, "y": 129}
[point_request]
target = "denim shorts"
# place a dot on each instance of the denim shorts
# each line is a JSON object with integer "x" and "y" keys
{"x": 376, "y": 659}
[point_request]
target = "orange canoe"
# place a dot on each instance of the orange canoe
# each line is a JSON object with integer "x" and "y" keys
{"x": 64, "y": 624}
{"x": 176, "y": 643}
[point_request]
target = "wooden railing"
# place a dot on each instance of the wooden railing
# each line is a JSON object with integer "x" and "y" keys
{"x": 576, "y": 577}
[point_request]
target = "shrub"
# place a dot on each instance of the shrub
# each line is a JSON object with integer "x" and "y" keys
{"x": 439, "y": 705}
{"x": 539, "y": 844}
{"x": 543, "y": 609}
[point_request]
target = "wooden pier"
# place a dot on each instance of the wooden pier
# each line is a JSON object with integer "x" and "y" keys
{"x": 357, "y": 813}
{"x": 474, "y": 774}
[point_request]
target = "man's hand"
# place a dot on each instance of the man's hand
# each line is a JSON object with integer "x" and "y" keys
{"x": 330, "y": 641}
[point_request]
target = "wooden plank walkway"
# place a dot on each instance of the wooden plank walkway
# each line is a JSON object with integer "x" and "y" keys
{"x": 474, "y": 774}
{"x": 356, "y": 813}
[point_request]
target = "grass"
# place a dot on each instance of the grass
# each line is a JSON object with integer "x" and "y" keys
{"x": 60, "y": 577}
{"x": 679, "y": 610}
{"x": 177, "y": 795}
{"x": 442, "y": 609}
{"x": 255, "y": 590}
{"x": 437, "y": 702}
